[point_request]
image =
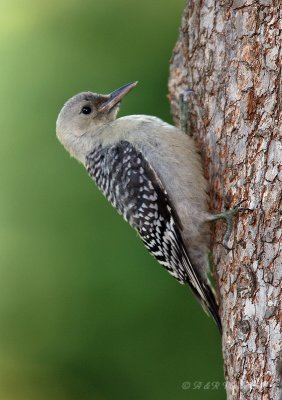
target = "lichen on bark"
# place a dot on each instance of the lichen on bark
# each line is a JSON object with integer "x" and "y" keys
{"x": 229, "y": 54}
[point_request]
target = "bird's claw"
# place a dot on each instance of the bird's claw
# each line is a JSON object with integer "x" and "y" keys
{"x": 228, "y": 216}
{"x": 184, "y": 111}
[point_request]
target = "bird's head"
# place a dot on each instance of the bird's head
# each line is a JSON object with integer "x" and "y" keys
{"x": 84, "y": 114}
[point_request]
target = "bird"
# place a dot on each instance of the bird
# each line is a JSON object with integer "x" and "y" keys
{"x": 151, "y": 172}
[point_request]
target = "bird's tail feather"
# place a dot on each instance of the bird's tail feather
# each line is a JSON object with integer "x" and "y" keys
{"x": 209, "y": 303}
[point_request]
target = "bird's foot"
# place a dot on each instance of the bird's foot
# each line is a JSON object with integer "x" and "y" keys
{"x": 184, "y": 111}
{"x": 228, "y": 216}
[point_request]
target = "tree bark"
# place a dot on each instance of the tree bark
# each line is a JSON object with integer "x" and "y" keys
{"x": 229, "y": 54}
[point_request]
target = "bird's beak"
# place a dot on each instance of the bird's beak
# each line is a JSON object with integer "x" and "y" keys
{"x": 115, "y": 97}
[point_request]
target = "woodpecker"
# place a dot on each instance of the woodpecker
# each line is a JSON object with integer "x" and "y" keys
{"x": 151, "y": 172}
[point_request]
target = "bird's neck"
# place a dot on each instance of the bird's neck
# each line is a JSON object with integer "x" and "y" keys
{"x": 123, "y": 128}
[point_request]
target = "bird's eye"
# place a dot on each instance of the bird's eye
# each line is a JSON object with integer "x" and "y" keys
{"x": 86, "y": 110}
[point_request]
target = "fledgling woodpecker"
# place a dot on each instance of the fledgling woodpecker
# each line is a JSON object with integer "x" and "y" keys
{"x": 151, "y": 173}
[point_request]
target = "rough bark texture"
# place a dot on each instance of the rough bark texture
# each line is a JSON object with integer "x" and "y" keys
{"x": 229, "y": 54}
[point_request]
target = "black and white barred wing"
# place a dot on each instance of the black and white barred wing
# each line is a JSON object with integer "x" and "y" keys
{"x": 136, "y": 191}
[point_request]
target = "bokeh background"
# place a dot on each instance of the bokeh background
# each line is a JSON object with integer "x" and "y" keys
{"x": 85, "y": 312}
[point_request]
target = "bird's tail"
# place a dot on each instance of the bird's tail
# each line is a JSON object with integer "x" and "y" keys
{"x": 209, "y": 303}
{"x": 212, "y": 306}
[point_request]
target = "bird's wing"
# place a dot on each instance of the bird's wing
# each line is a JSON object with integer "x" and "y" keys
{"x": 137, "y": 192}
{"x": 162, "y": 237}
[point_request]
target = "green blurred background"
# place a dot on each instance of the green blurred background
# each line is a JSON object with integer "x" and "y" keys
{"x": 85, "y": 312}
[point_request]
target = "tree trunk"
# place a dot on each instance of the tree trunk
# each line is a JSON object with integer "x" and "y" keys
{"x": 229, "y": 54}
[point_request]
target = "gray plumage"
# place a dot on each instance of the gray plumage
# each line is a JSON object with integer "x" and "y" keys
{"x": 151, "y": 173}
